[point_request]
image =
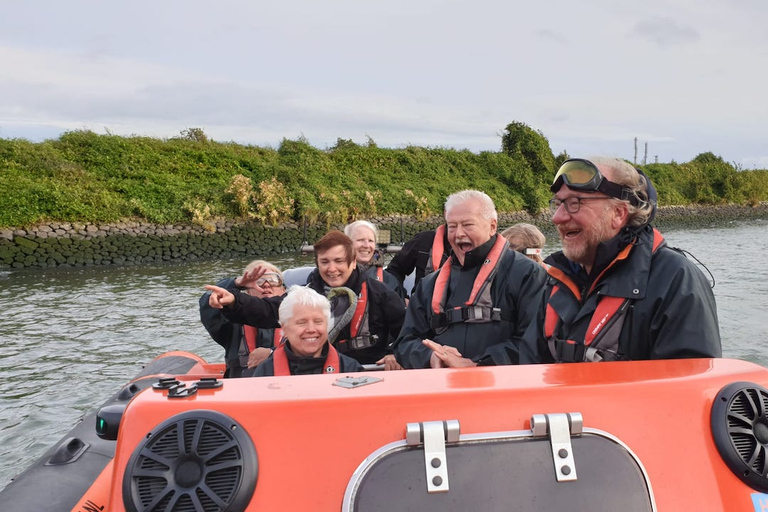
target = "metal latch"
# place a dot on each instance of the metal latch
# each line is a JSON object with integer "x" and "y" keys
{"x": 434, "y": 435}
{"x": 560, "y": 427}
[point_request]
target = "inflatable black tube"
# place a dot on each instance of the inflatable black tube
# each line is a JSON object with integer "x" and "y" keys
{"x": 58, "y": 480}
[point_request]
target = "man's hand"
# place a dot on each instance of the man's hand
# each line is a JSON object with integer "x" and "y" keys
{"x": 444, "y": 356}
{"x": 220, "y": 297}
{"x": 389, "y": 362}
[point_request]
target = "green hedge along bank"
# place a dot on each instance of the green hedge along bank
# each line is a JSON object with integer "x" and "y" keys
{"x": 91, "y": 199}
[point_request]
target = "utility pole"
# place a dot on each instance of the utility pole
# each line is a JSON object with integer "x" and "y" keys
{"x": 645, "y": 156}
{"x": 634, "y": 161}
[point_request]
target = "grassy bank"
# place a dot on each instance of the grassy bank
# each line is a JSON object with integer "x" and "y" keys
{"x": 86, "y": 177}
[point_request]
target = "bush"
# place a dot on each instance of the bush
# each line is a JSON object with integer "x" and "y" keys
{"x": 87, "y": 177}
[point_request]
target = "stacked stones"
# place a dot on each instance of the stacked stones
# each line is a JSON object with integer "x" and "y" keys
{"x": 127, "y": 243}
{"x": 135, "y": 242}
{"x": 132, "y": 242}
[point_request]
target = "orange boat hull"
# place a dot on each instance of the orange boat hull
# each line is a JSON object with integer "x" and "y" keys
{"x": 310, "y": 436}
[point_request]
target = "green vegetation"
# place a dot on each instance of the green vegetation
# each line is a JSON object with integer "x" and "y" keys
{"x": 86, "y": 177}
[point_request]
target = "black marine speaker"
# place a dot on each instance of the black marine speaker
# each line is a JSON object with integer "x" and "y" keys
{"x": 196, "y": 461}
{"x": 740, "y": 428}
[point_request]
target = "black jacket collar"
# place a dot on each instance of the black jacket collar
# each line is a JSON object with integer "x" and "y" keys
{"x": 477, "y": 256}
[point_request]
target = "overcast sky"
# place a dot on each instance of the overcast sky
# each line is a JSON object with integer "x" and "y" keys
{"x": 685, "y": 76}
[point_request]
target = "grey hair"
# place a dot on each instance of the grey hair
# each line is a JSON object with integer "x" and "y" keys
{"x": 299, "y": 296}
{"x": 488, "y": 209}
{"x": 262, "y": 263}
{"x": 626, "y": 175}
{"x": 350, "y": 228}
{"x": 524, "y": 236}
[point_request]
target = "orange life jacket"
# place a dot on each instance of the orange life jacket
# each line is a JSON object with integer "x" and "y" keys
{"x": 479, "y": 307}
{"x": 251, "y": 333}
{"x": 601, "y": 340}
{"x": 360, "y": 336}
{"x": 282, "y": 368}
{"x": 435, "y": 258}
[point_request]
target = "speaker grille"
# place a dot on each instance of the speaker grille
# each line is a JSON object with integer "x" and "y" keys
{"x": 740, "y": 430}
{"x": 197, "y": 461}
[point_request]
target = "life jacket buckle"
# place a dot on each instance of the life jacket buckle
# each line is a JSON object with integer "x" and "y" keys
{"x": 359, "y": 342}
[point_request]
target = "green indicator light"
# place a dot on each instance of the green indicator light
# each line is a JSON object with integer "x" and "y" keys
{"x": 101, "y": 425}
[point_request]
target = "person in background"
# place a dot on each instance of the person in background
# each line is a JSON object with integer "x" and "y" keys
{"x": 370, "y": 261}
{"x": 367, "y": 315}
{"x": 422, "y": 254}
{"x": 245, "y": 346}
{"x": 476, "y": 307}
{"x": 617, "y": 291}
{"x": 305, "y": 317}
{"x": 526, "y": 239}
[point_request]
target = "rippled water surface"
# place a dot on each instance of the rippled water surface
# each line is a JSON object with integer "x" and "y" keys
{"x": 69, "y": 338}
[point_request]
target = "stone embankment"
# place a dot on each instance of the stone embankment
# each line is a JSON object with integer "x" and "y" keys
{"x": 132, "y": 242}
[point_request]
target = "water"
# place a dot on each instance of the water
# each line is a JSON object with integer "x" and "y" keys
{"x": 71, "y": 337}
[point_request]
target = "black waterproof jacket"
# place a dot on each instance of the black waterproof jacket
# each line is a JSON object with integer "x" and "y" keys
{"x": 414, "y": 256}
{"x": 671, "y": 312}
{"x": 387, "y": 278}
{"x": 386, "y": 312}
{"x": 303, "y": 365}
{"x": 229, "y": 334}
{"x": 516, "y": 290}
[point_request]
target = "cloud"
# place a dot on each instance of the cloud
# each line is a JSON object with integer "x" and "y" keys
{"x": 665, "y": 31}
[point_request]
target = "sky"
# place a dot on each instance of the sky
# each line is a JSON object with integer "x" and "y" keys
{"x": 683, "y": 77}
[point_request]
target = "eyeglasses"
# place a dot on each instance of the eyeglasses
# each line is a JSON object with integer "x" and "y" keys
{"x": 571, "y": 204}
{"x": 580, "y": 174}
{"x": 272, "y": 278}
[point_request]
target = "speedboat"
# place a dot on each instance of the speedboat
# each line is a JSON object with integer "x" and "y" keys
{"x": 667, "y": 435}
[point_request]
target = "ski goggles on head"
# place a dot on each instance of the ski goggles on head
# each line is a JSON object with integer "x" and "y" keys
{"x": 580, "y": 174}
{"x": 272, "y": 278}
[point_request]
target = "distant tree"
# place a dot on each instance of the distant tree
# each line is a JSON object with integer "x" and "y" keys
{"x": 195, "y": 134}
{"x": 708, "y": 158}
{"x": 520, "y": 140}
{"x": 531, "y": 147}
{"x": 562, "y": 157}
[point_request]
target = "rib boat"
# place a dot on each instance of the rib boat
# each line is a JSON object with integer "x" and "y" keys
{"x": 667, "y": 435}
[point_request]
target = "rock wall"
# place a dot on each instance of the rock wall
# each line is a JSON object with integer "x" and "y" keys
{"x": 129, "y": 243}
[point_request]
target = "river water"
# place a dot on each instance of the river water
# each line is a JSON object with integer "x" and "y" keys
{"x": 69, "y": 338}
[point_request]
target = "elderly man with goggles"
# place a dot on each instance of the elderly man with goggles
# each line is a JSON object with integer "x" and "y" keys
{"x": 617, "y": 291}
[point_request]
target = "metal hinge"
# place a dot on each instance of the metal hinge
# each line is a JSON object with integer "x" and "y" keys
{"x": 559, "y": 427}
{"x": 434, "y": 435}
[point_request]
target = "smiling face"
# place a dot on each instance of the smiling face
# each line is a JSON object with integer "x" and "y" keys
{"x": 334, "y": 267}
{"x": 467, "y": 228}
{"x": 307, "y": 330}
{"x": 364, "y": 243}
{"x": 595, "y": 222}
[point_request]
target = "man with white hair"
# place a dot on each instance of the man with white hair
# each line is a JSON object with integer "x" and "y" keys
{"x": 617, "y": 291}
{"x": 476, "y": 307}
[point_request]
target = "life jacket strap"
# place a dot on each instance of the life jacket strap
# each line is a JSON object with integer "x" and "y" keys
{"x": 468, "y": 314}
{"x": 567, "y": 350}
